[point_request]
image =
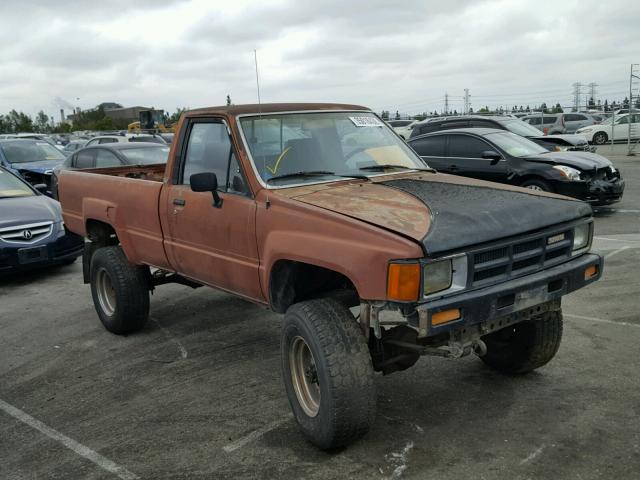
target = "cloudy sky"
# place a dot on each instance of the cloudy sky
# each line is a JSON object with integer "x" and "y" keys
{"x": 396, "y": 55}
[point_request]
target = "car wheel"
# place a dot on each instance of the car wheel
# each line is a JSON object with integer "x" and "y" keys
{"x": 525, "y": 346}
{"x": 120, "y": 291}
{"x": 600, "y": 138}
{"x": 327, "y": 372}
{"x": 536, "y": 184}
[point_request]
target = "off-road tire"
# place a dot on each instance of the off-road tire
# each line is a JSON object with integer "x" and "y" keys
{"x": 344, "y": 372}
{"x": 600, "y": 138}
{"x": 537, "y": 184}
{"x": 525, "y": 346}
{"x": 130, "y": 291}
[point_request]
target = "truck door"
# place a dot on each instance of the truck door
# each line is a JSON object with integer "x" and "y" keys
{"x": 212, "y": 245}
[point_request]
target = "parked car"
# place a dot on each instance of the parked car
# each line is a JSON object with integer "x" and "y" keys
{"x": 551, "y": 123}
{"x": 138, "y": 137}
{"x": 550, "y": 142}
{"x": 34, "y": 136}
{"x": 73, "y": 146}
{"x": 111, "y": 155}
{"x": 402, "y": 127}
{"x": 33, "y": 160}
{"x": 500, "y": 156}
{"x": 324, "y": 220}
{"x": 32, "y": 233}
{"x": 608, "y": 130}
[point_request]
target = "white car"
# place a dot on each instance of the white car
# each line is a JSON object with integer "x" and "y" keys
{"x": 607, "y": 130}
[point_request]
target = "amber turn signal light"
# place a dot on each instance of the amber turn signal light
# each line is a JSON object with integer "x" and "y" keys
{"x": 590, "y": 272}
{"x": 445, "y": 316}
{"x": 403, "y": 282}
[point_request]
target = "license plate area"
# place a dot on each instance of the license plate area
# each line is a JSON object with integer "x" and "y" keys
{"x": 32, "y": 255}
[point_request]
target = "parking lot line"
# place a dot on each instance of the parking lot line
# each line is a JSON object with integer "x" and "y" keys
{"x": 71, "y": 444}
{"x": 241, "y": 442}
{"x": 601, "y": 320}
{"x": 615, "y": 252}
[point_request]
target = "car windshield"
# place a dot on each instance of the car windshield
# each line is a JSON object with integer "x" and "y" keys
{"x": 334, "y": 143}
{"x": 516, "y": 145}
{"x": 521, "y": 128}
{"x": 146, "y": 156}
{"x": 10, "y": 186}
{"x": 23, "y": 151}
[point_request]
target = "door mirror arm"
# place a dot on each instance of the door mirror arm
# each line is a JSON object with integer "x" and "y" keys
{"x": 206, "y": 182}
{"x": 492, "y": 155}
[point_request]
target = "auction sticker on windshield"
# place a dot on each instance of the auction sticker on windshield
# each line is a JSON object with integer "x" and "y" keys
{"x": 366, "y": 121}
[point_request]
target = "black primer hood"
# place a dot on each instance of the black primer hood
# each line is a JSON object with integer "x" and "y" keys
{"x": 465, "y": 215}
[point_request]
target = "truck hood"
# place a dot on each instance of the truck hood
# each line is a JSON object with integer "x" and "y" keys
{"x": 444, "y": 212}
{"x": 24, "y": 210}
{"x": 44, "y": 167}
{"x": 579, "y": 160}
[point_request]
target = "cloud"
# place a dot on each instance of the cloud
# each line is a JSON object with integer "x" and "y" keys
{"x": 392, "y": 55}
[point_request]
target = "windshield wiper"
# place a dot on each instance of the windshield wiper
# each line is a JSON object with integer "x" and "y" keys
{"x": 315, "y": 173}
{"x": 389, "y": 165}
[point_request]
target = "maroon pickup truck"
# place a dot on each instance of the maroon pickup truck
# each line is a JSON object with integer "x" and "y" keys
{"x": 323, "y": 213}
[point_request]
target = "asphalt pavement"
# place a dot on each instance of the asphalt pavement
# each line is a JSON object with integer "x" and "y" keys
{"x": 198, "y": 395}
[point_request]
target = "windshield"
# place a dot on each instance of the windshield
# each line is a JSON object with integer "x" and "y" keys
{"x": 23, "y": 151}
{"x": 522, "y": 128}
{"x": 335, "y": 143}
{"x": 146, "y": 156}
{"x": 515, "y": 145}
{"x": 11, "y": 186}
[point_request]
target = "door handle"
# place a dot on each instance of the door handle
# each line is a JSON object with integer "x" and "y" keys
{"x": 179, "y": 201}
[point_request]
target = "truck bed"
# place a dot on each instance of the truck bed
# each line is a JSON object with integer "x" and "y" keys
{"x": 126, "y": 198}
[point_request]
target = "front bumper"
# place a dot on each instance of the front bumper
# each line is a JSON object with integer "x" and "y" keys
{"x": 504, "y": 299}
{"x": 595, "y": 192}
{"x": 51, "y": 251}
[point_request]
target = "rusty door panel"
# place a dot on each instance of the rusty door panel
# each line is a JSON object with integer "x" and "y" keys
{"x": 215, "y": 246}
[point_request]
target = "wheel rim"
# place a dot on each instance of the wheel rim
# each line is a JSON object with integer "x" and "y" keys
{"x": 304, "y": 376}
{"x": 106, "y": 292}
{"x": 599, "y": 139}
{"x": 535, "y": 187}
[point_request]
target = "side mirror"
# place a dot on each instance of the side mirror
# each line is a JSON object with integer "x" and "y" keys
{"x": 492, "y": 155}
{"x": 206, "y": 182}
{"x": 41, "y": 187}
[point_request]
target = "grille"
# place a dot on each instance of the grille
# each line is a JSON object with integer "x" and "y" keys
{"x": 520, "y": 257}
{"x": 26, "y": 234}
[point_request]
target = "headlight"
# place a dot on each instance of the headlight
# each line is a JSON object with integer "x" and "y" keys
{"x": 581, "y": 236}
{"x": 584, "y": 130}
{"x": 437, "y": 276}
{"x": 569, "y": 173}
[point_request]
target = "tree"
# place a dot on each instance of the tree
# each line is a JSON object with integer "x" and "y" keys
{"x": 484, "y": 109}
{"x": 543, "y": 107}
{"x": 41, "y": 123}
{"x": 470, "y": 110}
{"x": 455, "y": 112}
{"x": 229, "y": 100}
{"x": 175, "y": 116}
{"x": 606, "y": 105}
{"x": 625, "y": 103}
{"x": 384, "y": 114}
{"x": 528, "y": 109}
{"x": 557, "y": 109}
{"x": 19, "y": 122}
{"x": 397, "y": 117}
{"x": 592, "y": 103}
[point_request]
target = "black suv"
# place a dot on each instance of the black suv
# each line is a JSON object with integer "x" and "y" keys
{"x": 550, "y": 142}
{"x": 501, "y": 156}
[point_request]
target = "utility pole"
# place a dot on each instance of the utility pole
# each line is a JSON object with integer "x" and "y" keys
{"x": 467, "y": 103}
{"x": 446, "y": 103}
{"x": 577, "y": 91}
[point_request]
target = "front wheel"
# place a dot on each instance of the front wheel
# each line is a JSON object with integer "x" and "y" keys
{"x": 120, "y": 291}
{"x": 600, "y": 138}
{"x": 525, "y": 346}
{"x": 327, "y": 373}
{"x": 537, "y": 184}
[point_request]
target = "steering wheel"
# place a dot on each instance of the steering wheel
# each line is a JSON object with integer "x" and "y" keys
{"x": 353, "y": 152}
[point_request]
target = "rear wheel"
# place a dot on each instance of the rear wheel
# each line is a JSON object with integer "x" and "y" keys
{"x": 327, "y": 373}
{"x": 120, "y": 291}
{"x": 537, "y": 184}
{"x": 525, "y": 346}
{"x": 600, "y": 138}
